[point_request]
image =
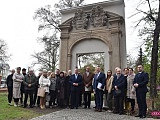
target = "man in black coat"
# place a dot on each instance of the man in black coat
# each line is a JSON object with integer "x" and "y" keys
{"x": 76, "y": 83}
{"x": 140, "y": 83}
{"x": 118, "y": 84}
{"x": 10, "y": 86}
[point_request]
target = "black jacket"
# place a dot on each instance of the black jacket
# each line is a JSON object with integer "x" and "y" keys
{"x": 142, "y": 80}
{"x": 9, "y": 80}
{"x": 30, "y": 80}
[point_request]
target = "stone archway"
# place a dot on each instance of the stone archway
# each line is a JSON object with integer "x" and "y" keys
{"x": 99, "y": 26}
{"x": 89, "y": 46}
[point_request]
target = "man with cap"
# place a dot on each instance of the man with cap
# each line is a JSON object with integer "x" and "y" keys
{"x": 29, "y": 85}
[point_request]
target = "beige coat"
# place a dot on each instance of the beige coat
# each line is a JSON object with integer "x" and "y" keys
{"x": 131, "y": 93}
{"x": 17, "y": 79}
{"x": 109, "y": 84}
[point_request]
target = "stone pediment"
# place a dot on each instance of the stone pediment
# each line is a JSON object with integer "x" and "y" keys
{"x": 95, "y": 17}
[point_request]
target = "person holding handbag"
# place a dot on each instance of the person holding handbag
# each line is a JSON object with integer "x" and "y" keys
{"x": 119, "y": 90}
{"x": 44, "y": 83}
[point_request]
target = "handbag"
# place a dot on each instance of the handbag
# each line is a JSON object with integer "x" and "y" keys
{"x": 118, "y": 92}
{"x": 41, "y": 92}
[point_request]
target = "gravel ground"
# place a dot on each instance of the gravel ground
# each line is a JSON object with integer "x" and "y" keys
{"x": 84, "y": 114}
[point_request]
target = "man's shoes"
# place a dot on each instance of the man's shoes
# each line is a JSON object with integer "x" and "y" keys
{"x": 115, "y": 112}
{"x": 31, "y": 106}
{"x": 72, "y": 107}
{"x": 143, "y": 116}
{"x": 109, "y": 111}
{"x": 138, "y": 116}
{"x": 85, "y": 107}
{"x": 24, "y": 106}
{"x": 121, "y": 113}
{"x": 10, "y": 104}
{"x": 96, "y": 109}
{"x": 100, "y": 110}
{"x": 76, "y": 107}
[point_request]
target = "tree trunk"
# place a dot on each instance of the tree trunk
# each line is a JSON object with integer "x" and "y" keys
{"x": 154, "y": 60}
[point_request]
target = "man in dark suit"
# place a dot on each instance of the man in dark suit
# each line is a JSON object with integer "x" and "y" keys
{"x": 119, "y": 85}
{"x": 76, "y": 83}
{"x": 140, "y": 83}
{"x": 98, "y": 86}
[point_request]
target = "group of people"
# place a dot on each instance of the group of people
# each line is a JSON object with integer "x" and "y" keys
{"x": 66, "y": 90}
{"x": 124, "y": 88}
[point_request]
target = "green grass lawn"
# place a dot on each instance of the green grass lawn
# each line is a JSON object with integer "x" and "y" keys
{"x": 14, "y": 113}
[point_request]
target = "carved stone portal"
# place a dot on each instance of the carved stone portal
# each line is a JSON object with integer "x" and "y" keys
{"x": 96, "y": 16}
{"x": 98, "y": 27}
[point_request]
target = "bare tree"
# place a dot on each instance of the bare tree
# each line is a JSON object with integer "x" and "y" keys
{"x": 49, "y": 56}
{"x": 4, "y": 57}
{"x": 152, "y": 19}
{"x": 3, "y": 52}
{"x": 49, "y": 18}
{"x": 154, "y": 57}
{"x": 69, "y": 3}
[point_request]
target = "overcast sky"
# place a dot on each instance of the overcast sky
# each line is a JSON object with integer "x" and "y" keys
{"x": 19, "y": 30}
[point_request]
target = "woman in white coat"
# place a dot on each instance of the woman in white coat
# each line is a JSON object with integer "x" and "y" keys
{"x": 44, "y": 83}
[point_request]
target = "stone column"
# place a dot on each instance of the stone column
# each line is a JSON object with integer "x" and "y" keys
{"x": 116, "y": 50}
{"x": 64, "y": 48}
{"x": 69, "y": 58}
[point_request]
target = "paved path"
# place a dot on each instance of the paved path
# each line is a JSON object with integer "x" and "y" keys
{"x": 84, "y": 114}
{"x": 81, "y": 114}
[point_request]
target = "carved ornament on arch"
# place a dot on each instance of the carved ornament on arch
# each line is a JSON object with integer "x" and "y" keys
{"x": 82, "y": 20}
{"x": 96, "y": 16}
